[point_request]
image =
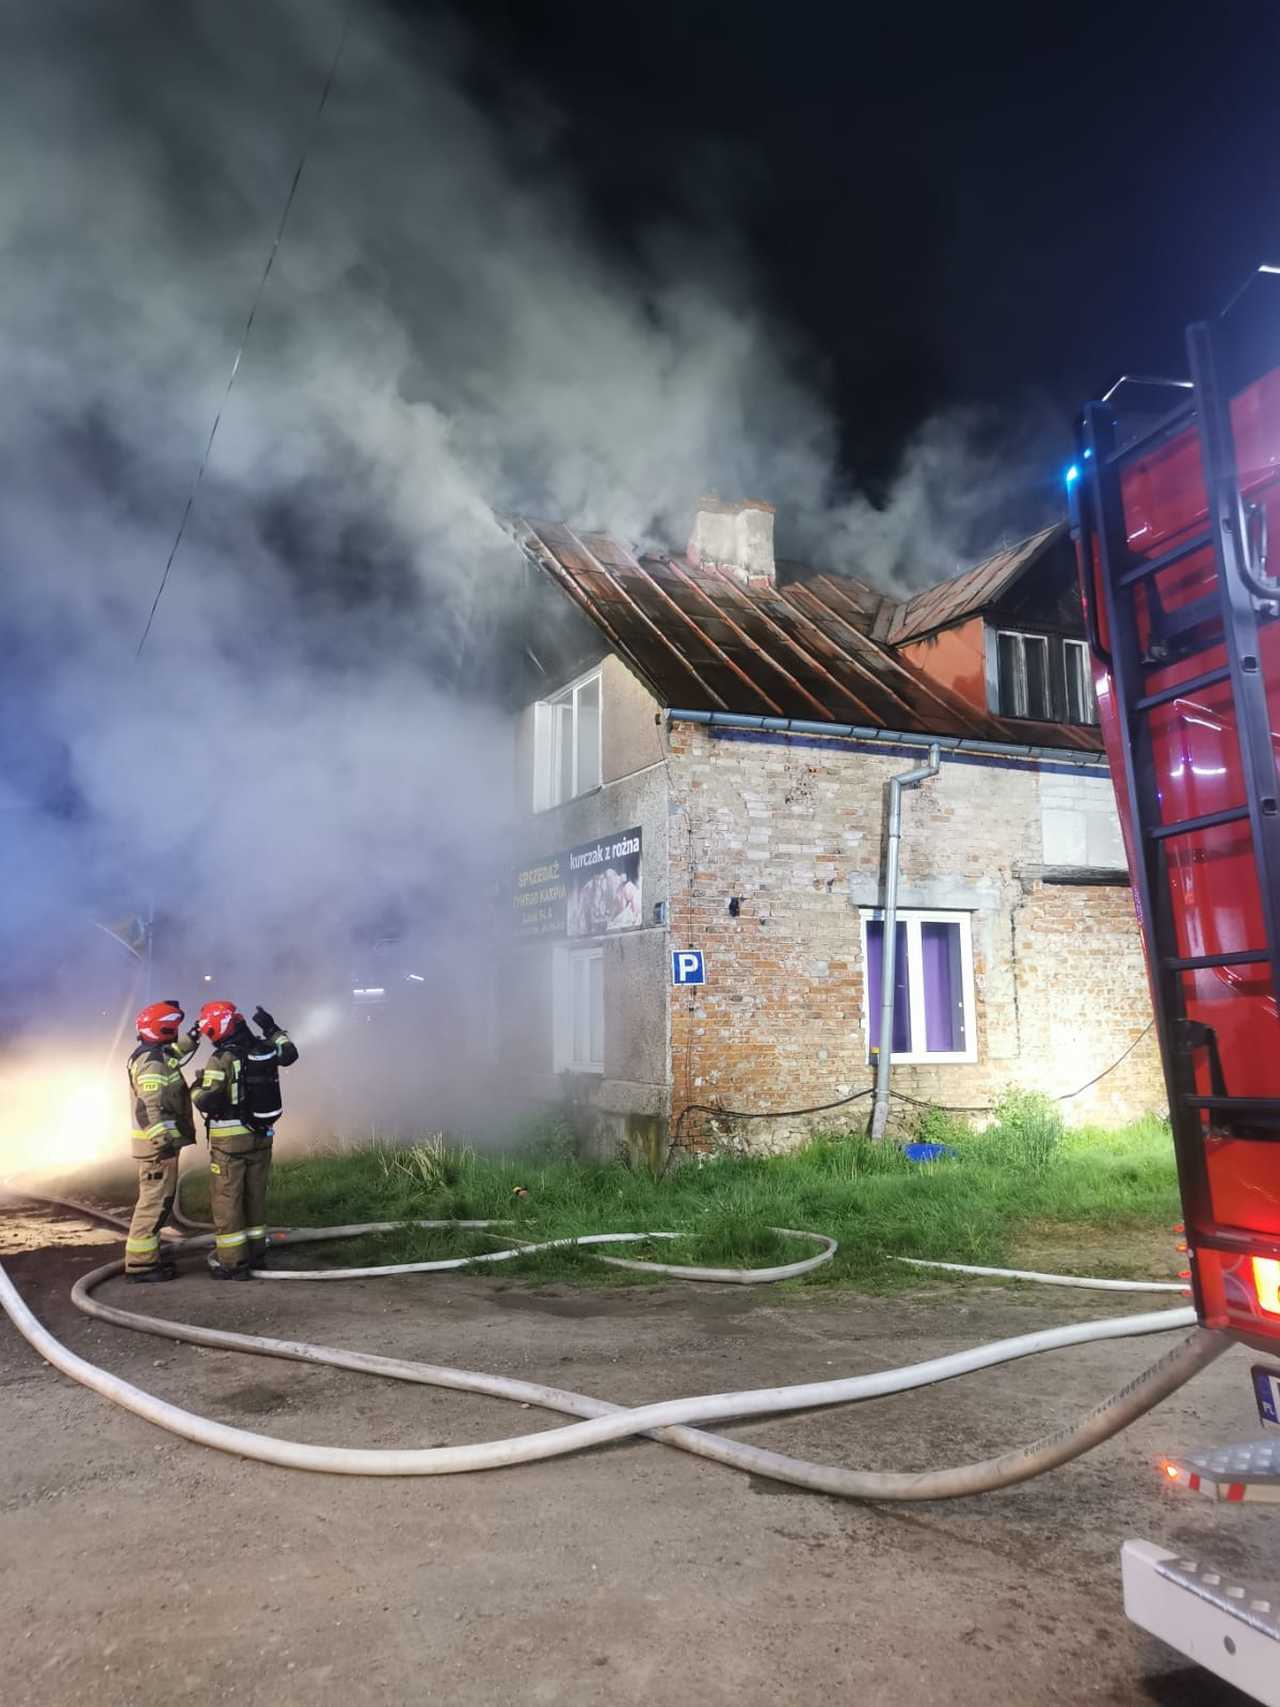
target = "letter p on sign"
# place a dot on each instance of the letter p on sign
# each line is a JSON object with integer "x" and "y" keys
{"x": 687, "y": 966}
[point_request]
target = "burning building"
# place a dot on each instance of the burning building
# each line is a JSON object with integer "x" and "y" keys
{"x": 701, "y": 757}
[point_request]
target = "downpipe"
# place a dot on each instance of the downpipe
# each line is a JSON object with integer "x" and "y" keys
{"x": 889, "y": 940}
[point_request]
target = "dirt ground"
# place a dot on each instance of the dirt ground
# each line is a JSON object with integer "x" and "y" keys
{"x": 137, "y": 1569}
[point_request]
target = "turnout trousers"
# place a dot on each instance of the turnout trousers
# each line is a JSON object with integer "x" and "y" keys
{"x": 238, "y": 1202}
{"x": 157, "y": 1183}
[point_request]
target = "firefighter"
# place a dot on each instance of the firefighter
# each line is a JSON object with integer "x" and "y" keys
{"x": 239, "y": 1097}
{"x": 162, "y": 1124}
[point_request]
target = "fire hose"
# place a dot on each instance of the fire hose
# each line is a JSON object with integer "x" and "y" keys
{"x": 668, "y": 1421}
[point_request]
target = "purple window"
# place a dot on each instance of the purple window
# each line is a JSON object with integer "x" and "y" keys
{"x": 901, "y": 997}
{"x": 929, "y": 957}
{"x": 943, "y": 988}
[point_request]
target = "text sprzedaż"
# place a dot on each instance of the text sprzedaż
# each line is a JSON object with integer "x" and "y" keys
{"x": 538, "y": 874}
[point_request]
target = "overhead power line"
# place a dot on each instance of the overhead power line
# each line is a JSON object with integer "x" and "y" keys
{"x": 248, "y": 327}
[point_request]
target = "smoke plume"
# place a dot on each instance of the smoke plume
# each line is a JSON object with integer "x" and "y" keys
{"x": 307, "y": 755}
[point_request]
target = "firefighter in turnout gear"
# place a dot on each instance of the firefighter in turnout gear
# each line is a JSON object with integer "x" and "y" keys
{"x": 162, "y": 1123}
{"x": 239, "y": 1097}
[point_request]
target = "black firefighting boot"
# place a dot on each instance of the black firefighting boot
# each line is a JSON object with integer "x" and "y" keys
{"x": 219, "y": 1272}
{"x": 154, "y": 1275}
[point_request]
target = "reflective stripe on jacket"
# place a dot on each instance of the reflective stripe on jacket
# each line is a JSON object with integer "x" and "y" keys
{"x": 160, "y": 1103}
{"x": 218, "y": 1093}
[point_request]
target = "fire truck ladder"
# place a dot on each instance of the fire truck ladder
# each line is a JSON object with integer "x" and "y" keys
{"x": 1227, "y": 617}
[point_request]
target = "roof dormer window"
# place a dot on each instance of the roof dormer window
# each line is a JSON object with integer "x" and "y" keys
{"x": 1045, "y": 678}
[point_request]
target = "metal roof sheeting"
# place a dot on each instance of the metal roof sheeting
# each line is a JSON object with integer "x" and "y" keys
{"x": 701, "y": 639}
{"x": 963, "y": 595}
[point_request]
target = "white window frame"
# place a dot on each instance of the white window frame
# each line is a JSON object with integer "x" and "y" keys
{"x": 1021, "y": 696}
{"x": 912, "y": 918}
{"x": 548, "y": 738}
{"x": 1063, "y": 655}
{"x": 567, "y": 960}
{"x": 1079, "y": 651}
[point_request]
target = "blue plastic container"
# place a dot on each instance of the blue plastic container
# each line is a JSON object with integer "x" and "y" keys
{"x": 926, "y": 1152}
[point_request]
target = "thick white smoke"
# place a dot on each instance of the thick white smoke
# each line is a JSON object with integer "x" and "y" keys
{"x": 308, "y": 744}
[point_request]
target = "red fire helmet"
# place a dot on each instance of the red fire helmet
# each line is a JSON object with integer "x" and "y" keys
{"x": 219, "y": 1019}
{"x": 159, "y": 1022}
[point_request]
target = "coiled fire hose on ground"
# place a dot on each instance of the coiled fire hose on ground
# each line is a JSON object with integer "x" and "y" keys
{"x": 668, "y": 1421}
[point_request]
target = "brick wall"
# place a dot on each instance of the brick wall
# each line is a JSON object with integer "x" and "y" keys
{"x": 1082, "y": 997}
{"x": 790, "y": 829}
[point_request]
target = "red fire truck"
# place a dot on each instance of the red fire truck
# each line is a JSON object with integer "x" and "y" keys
{"x": 1172, "y": 512}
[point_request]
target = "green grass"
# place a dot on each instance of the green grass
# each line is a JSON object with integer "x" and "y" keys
{"x": 1024, "y": 1181}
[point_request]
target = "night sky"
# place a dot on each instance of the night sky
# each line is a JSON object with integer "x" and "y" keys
{"x": 1011, "y": 201}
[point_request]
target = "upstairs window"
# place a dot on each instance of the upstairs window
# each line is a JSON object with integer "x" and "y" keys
{"x": 1082, "y": 707}
{"x": 566, "y": 743}
{"x": 1044, "y": 678}
{"x": 1024, "y": 676}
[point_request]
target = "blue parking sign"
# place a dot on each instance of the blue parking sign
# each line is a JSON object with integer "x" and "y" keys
{"x": 687, "y": 966}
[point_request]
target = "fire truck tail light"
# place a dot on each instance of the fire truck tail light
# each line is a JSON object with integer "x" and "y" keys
{"x": 1266, "y": 1283}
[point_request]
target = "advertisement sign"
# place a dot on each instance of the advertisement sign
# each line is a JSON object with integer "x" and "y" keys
{"x": 604, "y": 886}
{"x": 539, "y": 898}
{"x": 591, "y": 890}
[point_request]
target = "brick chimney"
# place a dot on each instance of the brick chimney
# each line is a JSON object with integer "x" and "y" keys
{"x": 737, "y": 536}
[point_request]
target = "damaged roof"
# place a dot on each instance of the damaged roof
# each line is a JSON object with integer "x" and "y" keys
{"x": 963, "y": 595}
{"x": 702, "y": 641}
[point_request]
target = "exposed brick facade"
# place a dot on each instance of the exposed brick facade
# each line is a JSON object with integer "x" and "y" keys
{"x": 764, "y": 849}
{"x": 792, "y": 829}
